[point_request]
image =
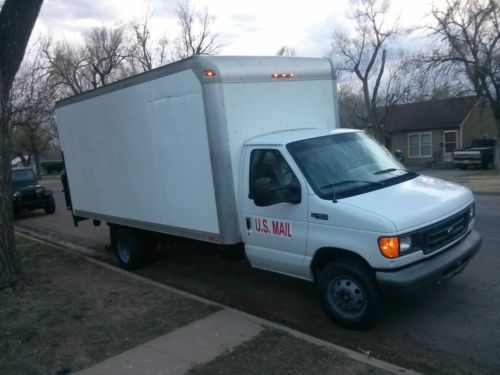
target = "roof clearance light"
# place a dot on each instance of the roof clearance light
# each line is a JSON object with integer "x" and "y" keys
{"x": 282, "y": 75}
{"x": 209, "y": 73}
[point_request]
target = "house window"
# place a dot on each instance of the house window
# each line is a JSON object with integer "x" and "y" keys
{"x": 419, "y": 145}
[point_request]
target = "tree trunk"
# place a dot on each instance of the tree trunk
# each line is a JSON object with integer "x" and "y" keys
{"x": 497, "y": 148}
{"x": 17, "y": 19}
{"x": 38, "y": 165}
{"x": 10, "y": 271}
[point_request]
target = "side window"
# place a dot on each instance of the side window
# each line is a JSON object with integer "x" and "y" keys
{"x": 269, "y": 164}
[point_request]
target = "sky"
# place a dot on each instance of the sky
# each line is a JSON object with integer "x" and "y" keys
{"x": 251, "y": 27}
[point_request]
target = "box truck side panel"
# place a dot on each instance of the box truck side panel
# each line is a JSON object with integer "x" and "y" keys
{"x": 140, "y": 156}
{"x": 254, "y": 108}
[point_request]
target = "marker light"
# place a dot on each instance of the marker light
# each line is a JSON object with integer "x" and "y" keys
{"x": 209, "y": 73}
{"x": 282, "y": 75}
{"x": 389, "y": 246}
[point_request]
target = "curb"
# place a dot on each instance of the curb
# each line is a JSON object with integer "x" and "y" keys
{"x": 83, "y": 252}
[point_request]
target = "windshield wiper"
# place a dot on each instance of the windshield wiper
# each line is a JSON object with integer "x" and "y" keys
{"x": 345, "y": 182}
{"x": 389, "y": 170}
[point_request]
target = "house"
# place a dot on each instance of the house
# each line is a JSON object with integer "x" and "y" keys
{"x": 428, "y": 132}
{"x": 50, "y": 162}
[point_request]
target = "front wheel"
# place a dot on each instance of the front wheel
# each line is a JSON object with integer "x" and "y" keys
{"x": 348, "y": 294}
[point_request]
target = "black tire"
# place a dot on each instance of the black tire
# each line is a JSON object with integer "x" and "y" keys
{"x": 488, "y": 165}
{"x": 127, "y": 246}
{"x": 348, "y": 293}
{"x": 50, "y": 206}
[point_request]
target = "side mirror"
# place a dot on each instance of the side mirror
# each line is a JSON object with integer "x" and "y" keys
{"x": 293, "y": 193}
{"x": 265, "y": 195}
{"x": 262, "y": 192}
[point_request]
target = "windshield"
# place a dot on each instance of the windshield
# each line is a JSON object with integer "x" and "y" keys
{"x": 22, "y": 175}
{"x": 347, "y": 164}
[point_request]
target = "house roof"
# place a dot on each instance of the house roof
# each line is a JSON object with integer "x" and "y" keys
{"x": 433, "y": 114}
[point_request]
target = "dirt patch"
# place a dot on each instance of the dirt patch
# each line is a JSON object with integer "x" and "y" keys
{"x": 73, "y": 313}
{"x": 274, "y": 352}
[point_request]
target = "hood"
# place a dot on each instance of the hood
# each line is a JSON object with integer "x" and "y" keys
{"x": 23, "y": 185}
{"x": 415, "y": 203}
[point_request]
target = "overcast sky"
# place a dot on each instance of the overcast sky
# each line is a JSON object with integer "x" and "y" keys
{"x": 252, "y": 27}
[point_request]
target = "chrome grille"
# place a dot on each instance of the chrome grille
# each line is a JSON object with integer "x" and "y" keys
{"x": 444, "y": 232}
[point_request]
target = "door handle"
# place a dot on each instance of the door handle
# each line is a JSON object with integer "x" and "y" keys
{"x": 249, "y": 222}
{"x": 319, "y": 216}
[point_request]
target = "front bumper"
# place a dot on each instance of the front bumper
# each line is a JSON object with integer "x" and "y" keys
{"x": 32, "y": 203}
{"x": 468, "y": 162}
{"x": 430, "y": 271}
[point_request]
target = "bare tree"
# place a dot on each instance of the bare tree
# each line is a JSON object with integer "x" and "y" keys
{"x": 17, "y": 19}
{"x": 106, "y": 51}
{"x": 364, "y": 51}
{"x": 196, "y": 37}
{"x": 32, "y": 103}
{"x": 81, "y": 68}
{"x": 468, "y": 38}
{"x": 468, "y": 43}
{"x": 147, "y": 53}
{"x": 65, "y": 66}
{"x": 286, "y": 51}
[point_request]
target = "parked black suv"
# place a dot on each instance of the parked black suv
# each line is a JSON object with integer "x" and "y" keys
{"x": 28, "y": 194}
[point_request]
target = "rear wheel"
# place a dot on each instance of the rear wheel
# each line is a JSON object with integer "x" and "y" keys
{"x": 348, "y": 293}
{"x": 126, "y": 243}
{"x": 50, "y": 206}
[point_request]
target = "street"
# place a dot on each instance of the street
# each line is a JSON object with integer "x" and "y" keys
{"x": 452, "y": 328}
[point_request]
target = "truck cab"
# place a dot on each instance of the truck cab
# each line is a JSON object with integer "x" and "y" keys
{"x": 336, "y": 208}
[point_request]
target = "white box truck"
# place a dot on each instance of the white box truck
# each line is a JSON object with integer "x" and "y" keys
{"x": 247, "y": 150}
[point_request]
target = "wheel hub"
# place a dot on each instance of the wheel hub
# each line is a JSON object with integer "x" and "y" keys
{"x": 347, "y": 296}
{"x": 123, "y": 250}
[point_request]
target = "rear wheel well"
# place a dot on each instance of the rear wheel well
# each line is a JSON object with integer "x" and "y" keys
{"x": 327, "y": 255}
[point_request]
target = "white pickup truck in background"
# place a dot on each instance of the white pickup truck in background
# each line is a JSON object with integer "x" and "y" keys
{"x": 481, "y": 153}
{"x": 247, "y": 150}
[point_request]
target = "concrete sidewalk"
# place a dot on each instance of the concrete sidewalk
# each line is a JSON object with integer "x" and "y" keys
{"x": 185, "y": 348}
{"x": 221, "y": 335}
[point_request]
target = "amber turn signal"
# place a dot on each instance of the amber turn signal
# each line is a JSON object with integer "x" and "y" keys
{"x": 389, "y": 246}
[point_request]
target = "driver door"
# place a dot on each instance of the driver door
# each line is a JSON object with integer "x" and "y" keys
{"x": 275, "y": 235}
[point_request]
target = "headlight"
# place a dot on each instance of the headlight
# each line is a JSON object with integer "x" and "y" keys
{"x": 472, "y": 211}
{"x": 39, "y": 190}
{"x": 404, "y": 244}
{"x": 17, "y": 195}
